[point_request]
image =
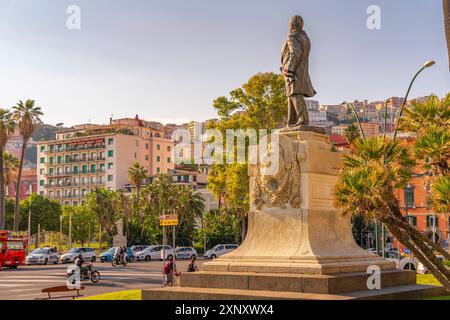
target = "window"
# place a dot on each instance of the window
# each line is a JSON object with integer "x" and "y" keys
{"x": 137, "y": 143}
{"x": 146, "y": 157}
{"x": 75, "y": 169}
{"x": 409, "y": 196}
{"x": 135, "y": 155}
{"x": 42, "y": 160}
{"x": 110, "y": 141}
{"x": 146, "y": 145}
{"x": 41, "y": 172}
{"x": 51, "y": 160}
{"x": 168, "y": 159}
{"x": 110, "y": 153}
{"x": 158, "y": 170}
{"x": 102, "y": 167}
{"x": 412, "y": 220}
{"x": 41, "y": 183}
{"x": 42, "y": 148}
{"x": 110, "y": 177}
{"x": 430, "y": 222}
{"x": 93, "y": 168}
{"x": 168, "y": 148}
{"x": 84, "y": 168}
{"x": 158, "y": 147}
{"x": 110, "y": 165}
{"x": 59, "y": 159}
{"x": 158, "y": 159}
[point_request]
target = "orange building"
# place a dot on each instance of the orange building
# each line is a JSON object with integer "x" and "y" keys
{"x": 413, "y": 199}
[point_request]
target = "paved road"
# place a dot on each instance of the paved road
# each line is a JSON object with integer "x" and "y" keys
{"x": 26, "y": 282}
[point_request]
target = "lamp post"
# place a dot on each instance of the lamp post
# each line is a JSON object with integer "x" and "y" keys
{"x": 427, "y": 64}
{"x": 352, "y": 106}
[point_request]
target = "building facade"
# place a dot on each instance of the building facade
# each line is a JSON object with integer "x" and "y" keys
{"x": 91, "y": 156}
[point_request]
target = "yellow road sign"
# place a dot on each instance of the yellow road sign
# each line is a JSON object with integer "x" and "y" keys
{"x": 168, "y": 220}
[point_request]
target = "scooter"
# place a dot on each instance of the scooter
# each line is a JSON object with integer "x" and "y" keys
{"x": 87, "y": 273}
{"x": 118, "y": 261}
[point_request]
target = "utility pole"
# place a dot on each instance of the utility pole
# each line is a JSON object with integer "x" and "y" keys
{"x": 100, "y": 237}
{"x": 29, "y": 230}
{"x": 60, "y": 232}
{"x": 38, "y": 236}
{"x": 70, "y": 230}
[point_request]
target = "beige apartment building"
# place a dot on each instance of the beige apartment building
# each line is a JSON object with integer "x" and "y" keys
{"x": 91, "y": 156}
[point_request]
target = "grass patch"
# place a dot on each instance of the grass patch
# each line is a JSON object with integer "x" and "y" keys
{"x": 427, "y": 279}
{"x": 120, "y": 295}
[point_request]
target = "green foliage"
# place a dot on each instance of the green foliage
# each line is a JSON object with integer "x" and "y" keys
{"x": 102, "y": 202}
{"x": 84, "y": 222}
{"x": 43, "y": 211}
{"x": 369, "y": 175}
{"x": 219, "y": 228}
{"x": 259, "y": 104}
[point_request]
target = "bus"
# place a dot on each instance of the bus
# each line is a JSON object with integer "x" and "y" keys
{"x": 13, "y": 247}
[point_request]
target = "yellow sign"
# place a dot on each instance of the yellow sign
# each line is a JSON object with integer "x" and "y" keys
{"x": 168, "y": 220}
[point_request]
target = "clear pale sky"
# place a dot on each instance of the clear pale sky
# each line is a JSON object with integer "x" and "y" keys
{"x": 168, "y": 60}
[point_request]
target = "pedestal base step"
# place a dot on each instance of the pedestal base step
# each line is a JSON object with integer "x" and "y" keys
{"x": 413, "y": 292}
{"x": 304, "y": 283}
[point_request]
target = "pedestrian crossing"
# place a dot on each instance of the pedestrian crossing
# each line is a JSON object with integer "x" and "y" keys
{"x": 27, "y": 284}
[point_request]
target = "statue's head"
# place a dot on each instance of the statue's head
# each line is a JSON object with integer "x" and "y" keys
{"x": 296, "y": 23}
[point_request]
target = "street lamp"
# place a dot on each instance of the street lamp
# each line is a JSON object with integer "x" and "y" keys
{"x": 357, "y": 118}
{"x": 427, "y": 64}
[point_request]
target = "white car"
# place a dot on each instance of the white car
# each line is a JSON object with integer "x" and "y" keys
{"x": 154, "y": 253}
{"x": 88, "y": 254}
{"x": 406, "y": 263}
{"x": 219, "y": 250}
{"x": 185, "y": 253}
{"x": 423, "y": 270}
{"x": 42, "y": 256}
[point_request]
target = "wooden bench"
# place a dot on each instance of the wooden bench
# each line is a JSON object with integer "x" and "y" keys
{"x": 62, "y": 289}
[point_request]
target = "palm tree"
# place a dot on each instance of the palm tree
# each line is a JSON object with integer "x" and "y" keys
{"x": 10, "y": 167}
{"x": 351, "y": 133}
{"x": 366, "y": 188}
{"x": 6, "y": 128}
{"x": 27, "y": 116}
{"x": 136, "y": 176}
{"x": 446, "y": 4}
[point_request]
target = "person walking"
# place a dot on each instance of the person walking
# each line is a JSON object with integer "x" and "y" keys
{"x": 170, "y": 272}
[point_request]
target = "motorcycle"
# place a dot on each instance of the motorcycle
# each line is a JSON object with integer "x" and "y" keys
{"x": 87, "y": 273}
{"x": 118, "y": 261}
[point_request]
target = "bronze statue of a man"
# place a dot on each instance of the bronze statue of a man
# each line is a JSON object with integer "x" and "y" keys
{"x": 294, "y": 67}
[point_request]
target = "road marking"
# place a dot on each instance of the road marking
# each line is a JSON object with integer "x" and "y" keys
{"x": 32, "y": 280}
{"x": 21, "y": 290}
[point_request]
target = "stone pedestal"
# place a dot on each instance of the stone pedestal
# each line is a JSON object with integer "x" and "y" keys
{"x": 306, "y": 235}
{"x": 297, "y": 246}
{"x": 119, "y": 240}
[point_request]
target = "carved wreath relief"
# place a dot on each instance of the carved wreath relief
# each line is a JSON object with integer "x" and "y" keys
{"x": 282, "y": 187}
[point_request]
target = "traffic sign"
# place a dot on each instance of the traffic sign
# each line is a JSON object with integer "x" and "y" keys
{"x": 168, "y": 220}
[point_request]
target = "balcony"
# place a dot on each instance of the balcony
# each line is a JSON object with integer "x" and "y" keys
{"x": 71, "y": 173}
{"x": 75, "y": 160}
{"x": 76, "y": 148}
{"x": 74, "y": 184}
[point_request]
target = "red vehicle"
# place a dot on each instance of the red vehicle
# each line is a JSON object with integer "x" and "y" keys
{"x": 13, "y": 247}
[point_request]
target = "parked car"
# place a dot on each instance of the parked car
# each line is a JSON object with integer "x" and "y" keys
{"x": 219, "y": 250}
{"x": 138, "y": 247}
{"x": 423, "y": 270}
{"x": 42, "y": 256}
{"x": 107, "y": 255}
{"x": 185, "y": 253}
{"x": 154, "y": 253}
{"x": 88, "y": 254}
{"x": 405, "y": 263}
